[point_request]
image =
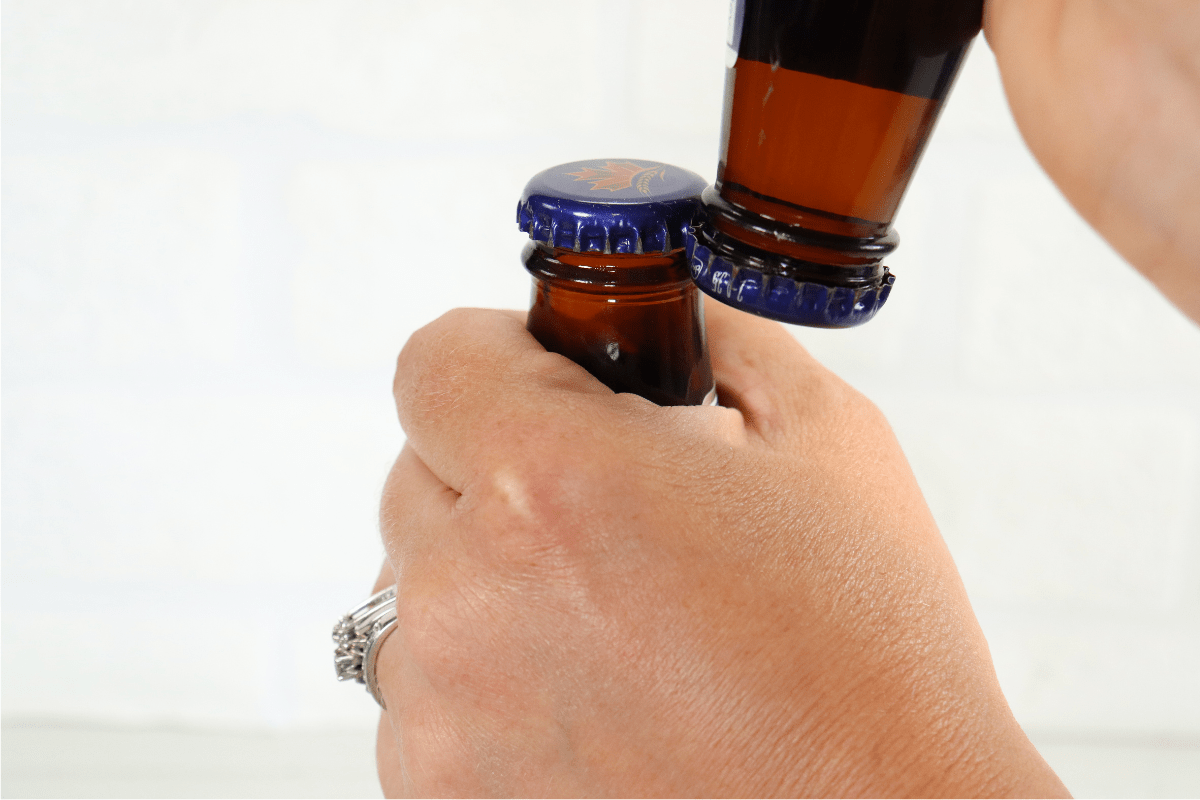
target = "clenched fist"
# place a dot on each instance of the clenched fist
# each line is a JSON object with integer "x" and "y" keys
{"x": 600, "y": 596}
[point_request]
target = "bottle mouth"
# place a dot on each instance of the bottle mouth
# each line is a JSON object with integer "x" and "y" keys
{"x": 741, "y": 255}
{"x": 787, "y": 248}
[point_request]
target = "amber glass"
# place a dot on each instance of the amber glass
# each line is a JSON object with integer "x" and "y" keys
{"x": 636, "y": 322}
{"x": 816, "y": 144}
{"x": 828, "y": 106}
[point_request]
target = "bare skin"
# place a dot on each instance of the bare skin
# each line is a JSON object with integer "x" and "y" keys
{"x": 598, "y": 596}
{"x": 1107, "y": 95}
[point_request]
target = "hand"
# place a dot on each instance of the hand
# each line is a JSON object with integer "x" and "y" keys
{"x": 598, "y": 595}
{"x": 1107, "y": 95}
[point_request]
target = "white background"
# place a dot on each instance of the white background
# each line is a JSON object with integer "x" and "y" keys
{"x": 221, "y": 220}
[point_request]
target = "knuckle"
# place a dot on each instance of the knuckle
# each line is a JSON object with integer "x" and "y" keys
{"x": 522, "y": 512}
{"x": 516, "y": 539}
{"x": 540, "y": 512}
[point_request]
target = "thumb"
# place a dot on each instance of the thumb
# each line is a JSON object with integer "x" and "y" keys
{"x": 763, "y": 372}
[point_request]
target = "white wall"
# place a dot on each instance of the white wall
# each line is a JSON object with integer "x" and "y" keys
{"x": 222, "y": 219}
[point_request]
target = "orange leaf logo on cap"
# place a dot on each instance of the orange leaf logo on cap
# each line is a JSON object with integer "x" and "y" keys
{"x": 617, "y": 175}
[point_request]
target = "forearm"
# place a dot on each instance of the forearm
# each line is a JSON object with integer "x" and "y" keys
{"x": 1107, "y": 95}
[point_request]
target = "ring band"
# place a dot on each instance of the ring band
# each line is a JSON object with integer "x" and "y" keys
{"x": 359, "y": 636}
{"x": 381, "y": 630}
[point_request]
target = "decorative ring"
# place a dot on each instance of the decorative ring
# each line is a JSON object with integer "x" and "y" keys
{"x": 379, "y": 633}
{"x": 358, "y": 635}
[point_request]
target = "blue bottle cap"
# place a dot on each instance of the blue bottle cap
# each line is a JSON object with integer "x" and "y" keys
{"x": 783, "y": 289}
{"x": 610, "y": 205}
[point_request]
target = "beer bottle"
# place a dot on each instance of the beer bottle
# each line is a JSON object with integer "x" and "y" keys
{"x": 828, "y": 105}
{"x": 611, "y": 289}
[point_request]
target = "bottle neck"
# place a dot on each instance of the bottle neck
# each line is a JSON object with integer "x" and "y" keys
{"x": 634, "y": 321}
{"x": 607, "y": 273}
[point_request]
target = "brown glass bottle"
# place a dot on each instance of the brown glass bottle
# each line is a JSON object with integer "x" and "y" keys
{"x": 828, "y": 106}
{"x": 634, "y": 321}
{"x": 611, "y": 288}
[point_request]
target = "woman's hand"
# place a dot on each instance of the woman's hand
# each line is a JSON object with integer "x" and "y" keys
{"x": 1107, "y": 95}
{"x": 599, "y": 596}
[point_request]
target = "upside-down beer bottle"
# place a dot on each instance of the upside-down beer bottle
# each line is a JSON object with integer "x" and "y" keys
{"x": 611, "y": 289}
{"x": 828, "y": 105}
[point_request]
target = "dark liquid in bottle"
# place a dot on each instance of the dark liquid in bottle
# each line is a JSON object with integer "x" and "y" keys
{"x": 867, "y": 140}
{"x": 634, "y": 321}
{"x": 827, "y": 109}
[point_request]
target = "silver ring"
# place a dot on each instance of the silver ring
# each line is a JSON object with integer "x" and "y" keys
{"x": 358, "y": 636}
{"x": 379, "y": 632}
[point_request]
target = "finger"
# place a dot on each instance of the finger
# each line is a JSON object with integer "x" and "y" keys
{"x": 385, "y": 579}
{"x": 474, "y": 389}
{"x": 415, "y": 511}
{"x": 416, "y": 519}
{"x": 762, "y": 371}
{"x": 388, "y": 763}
